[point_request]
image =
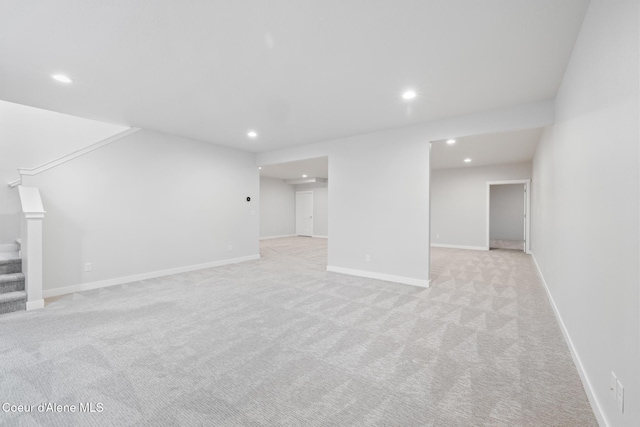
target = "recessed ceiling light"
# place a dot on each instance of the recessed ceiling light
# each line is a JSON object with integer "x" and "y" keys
{"x": 451, "y": 141}
{"x": 409, "y": 94}
{"x": 304, "y": 176}
{"x": 467, "y": 160}
{"x": 260, "y": 167}
{"x": 252, "y": 134}
{"x": 61, "y": 78}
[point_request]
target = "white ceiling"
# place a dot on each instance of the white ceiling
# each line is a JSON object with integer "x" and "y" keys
{"x": 313, "y": 168}
{"x": 295, "y": 71}
{"x": 487, "y": 149}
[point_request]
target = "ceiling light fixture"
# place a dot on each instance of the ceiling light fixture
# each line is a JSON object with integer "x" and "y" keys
{"x": 252, "y": 134}
{"x": 467, "y": 160}
{"x": 451, "y": 141}
{"x": 304, "y": 176}
{"x": 61, "y": 78}
{"x": 409, "y": 94}
{"x": 259, "y": 167}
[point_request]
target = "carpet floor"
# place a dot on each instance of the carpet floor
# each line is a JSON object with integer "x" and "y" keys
{"x": 280, "y": 341}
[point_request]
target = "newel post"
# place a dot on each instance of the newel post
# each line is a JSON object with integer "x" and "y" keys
{"x": 31, "y": 237}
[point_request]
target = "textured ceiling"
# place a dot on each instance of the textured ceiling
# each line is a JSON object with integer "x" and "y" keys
{"x": 295, "y": 71}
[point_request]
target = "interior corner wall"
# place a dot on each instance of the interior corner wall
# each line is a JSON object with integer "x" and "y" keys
{"x": 586, "y": 196}
{"x": 507, "y": 212}
{"x": 30, "y": 137}
{"x": 150, "y": 202}
{"x": 277, "y": 208}
{"x": 320, "y": 207}
{"x": 459, "y": 202}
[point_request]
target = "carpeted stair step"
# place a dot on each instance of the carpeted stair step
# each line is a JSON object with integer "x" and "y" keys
{"x": 11, "y": 282}
{"x": 12, "y": 265}
{"x": 13, "y": 301}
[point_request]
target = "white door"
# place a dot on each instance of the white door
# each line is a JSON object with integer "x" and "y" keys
{"x": 304, "y": 213}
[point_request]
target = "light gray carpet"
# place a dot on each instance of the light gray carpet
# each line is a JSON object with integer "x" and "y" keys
{"x": 280, "y": 341}
{"x": 507, "y": 244}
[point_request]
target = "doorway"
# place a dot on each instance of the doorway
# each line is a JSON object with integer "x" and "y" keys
{"x": 508, "y": 215}
{"x": 304, "y": 213}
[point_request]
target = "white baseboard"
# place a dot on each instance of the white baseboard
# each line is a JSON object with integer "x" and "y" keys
{"x": 137, "y": 277}
{"x": 595, "y": 405}
{"x": 471, "y": 248}
{"x": 34, "y": 305}
{"x": 380, "y": 276}
{"x": 11, "y": 247}
{"x": 278, "y": 237}
{"x": 320, "y": 237}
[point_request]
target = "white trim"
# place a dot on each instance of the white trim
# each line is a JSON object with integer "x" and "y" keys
{"x": 380, "y": 276}
{"x": 471, "y": 248}
{"x": 11, "y": 247}
{"x": 320, "y": 237}
{"x": 144, "y": 276}
{"x": 15, "y": 183}
{"x": 527, "y": 231}
{"x": 35, "y": 305}
{"x": 278, "y": 237}
{"x": 588, "y": 387}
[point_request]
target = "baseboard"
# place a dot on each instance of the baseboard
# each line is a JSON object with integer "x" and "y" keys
{"x": 11, "y": 247}
{"x": 595, "y": 406}
{"x": 320, "y": 237}
{"x": 144, "y": 276}
{"x": 34, "y": 305}
{"x": 471, "y": 248}
{"x": 380, "y": 276}
{"x": 278, "y": 237}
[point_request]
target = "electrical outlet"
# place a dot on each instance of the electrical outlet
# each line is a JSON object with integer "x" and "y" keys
{"x": 367, "y": 258}
{"x": 620, "y": 395}
{"x": 230, "y": 248}
{"x": 88, "y": 267}
{"x": 612, "y": 383}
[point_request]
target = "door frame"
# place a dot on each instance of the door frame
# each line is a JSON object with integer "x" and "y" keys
{"x": 296, "y": 212}
{"x": 527, "y": 219}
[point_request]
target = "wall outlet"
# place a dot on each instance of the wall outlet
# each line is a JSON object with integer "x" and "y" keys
{"x": 367, "y": 258}
{"x": 620, "y": 395}
{"x": 230, "y": 248}
{"x": 88, "y": 266}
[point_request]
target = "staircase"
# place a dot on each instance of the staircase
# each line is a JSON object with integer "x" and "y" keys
{"x": 12, "y": 294}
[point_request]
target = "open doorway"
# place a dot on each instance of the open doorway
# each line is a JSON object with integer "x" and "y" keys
{"x": 508, "y": 215}
{"x": 294, "y": 210}
{"x": 294, "y": 199}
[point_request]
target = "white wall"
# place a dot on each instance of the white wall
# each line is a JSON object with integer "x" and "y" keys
{"x": 320, "y": 207}
{"x": 147, "y": 203}
{"x": 506, "y": 212}
{"x": 378, "y": 189}
{"x": 30, "y": 137}
{"x": 459, "y": 202}
{"x": 585, "y": 231}
{"x": 277, "y": 208}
